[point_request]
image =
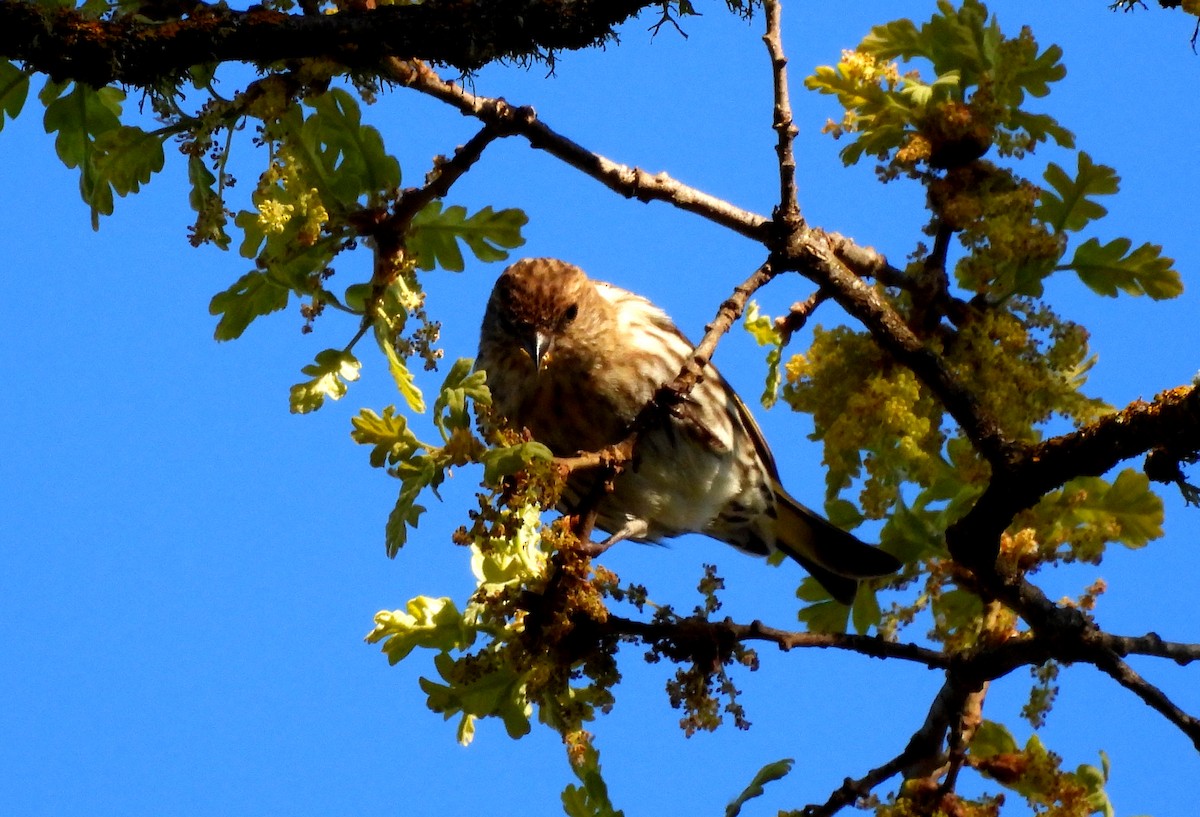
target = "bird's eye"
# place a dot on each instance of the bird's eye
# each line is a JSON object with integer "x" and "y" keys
{"x": 570, "y": 313}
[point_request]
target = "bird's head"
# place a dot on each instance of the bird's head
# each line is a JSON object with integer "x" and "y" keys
{"x": 544, "y": 304}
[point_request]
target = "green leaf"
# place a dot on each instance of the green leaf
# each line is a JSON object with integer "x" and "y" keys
{"x": 966, "y": 51}
{"x": 1093, "y": 780}
{"x": 767, "y": 774}
{"x": 349, "y": 157}
{"x": 496, "y": 691}
{"x": 389, "y": 435}
{"x": 126, "y": 157}
{"x": 435, "y": 235}
{"x": 416, "y": 472}
{"x": 500, "y": 462}
{"x": 1040, "y": 127}
{"x": 590, "y": 799}
{"x": 461, "y": 383}
{"x": 824, "y": 615}
{"x": 404, "y": 515}
{"x": 1068, "y": 206}
{"x": 425, "y": 622}
{"x": 992, "y": 739}
{"x": 762, "y": 329}
{"x": 865, "y": 612}
{"x": 1137, "y": 509}
{"x": 401, "y": 375}
{"x": 896, "y": 39}
{"x": 355, "y": 297}
{"x": 333, "y": 369}
{"x": 252, "y": 295}
{"x": 1088, "y": 512}
{"x": 253, "y": 234}
{"x": 1107, "y": 268}
{"x": 14, "y": 89}
{"x": 843, "y": 513}
{"x": 79, "y": 118}
{"x": 884, "y": 119}
{"x": 210, "y": 209}
{"x": 958, "y": 609}
{"x": 912, "y": 534}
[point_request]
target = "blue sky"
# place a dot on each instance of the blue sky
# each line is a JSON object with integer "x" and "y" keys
{"x": 187, "y": 570}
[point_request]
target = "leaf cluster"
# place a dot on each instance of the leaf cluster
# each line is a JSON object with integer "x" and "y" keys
{"x": 419, "y": 465}
{"x": 975, "y": 100}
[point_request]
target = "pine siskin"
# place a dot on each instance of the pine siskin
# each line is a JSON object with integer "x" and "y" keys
{"x": 575, "y": 360}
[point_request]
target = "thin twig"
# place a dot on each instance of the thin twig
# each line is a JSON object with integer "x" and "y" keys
{"x": 1154, "y": 697}
{"x": 789, "y": 208}
{"x": 630, "y": 182}
{"x": 922, "y": 754}
{"x": 965, "y": 725}
{"x": 791, "y": 323}
{"x": 438, "y": 181}
{"x": 867, "y": 262}
{"x": 1149, "y": 644}
{"x": 389, "y": 229}
{"x": 698, "y": 629}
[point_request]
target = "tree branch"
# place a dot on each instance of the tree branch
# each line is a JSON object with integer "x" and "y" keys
{"x": 686, "y": 630}
{"x": 798, "y": 315}
{"x": 438, "y": 181}
{"x": 922, "y": 753}
{"x": 1172, "y": 420}
{"x": 629, "y": 182}
{"x": 788, "y": 209}
{"x": 467, "y": 34}
{"x": 1154, "y": 697}
{"x": 1150, "y": 644}
{"x": 807, "y": 251}
{"x": 811, "y": 253}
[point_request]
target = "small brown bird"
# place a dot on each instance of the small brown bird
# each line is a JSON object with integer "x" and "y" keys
{"x": 574, "y": 361}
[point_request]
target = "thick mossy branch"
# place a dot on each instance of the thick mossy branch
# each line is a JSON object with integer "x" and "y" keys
{"x": 1171, "y": 421}
{"x": 132, "y": 50}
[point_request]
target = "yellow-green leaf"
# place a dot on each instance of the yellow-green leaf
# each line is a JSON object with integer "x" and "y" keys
{"x": 331, "y": 372}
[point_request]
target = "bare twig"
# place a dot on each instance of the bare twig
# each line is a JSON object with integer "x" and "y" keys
{"x": 1127, "y": 677}
{"x": 1150, "y": 644}
{"x": 867, "y": 262}
{"x": 444, "y": 173}
{"x": 388, "y": 229}
{"x": 788, "y": 209}
{"x": 791, "y": 323}
{"x": 730, "y": 311}
{"x": 963, "y": 730}
{"x": 921, "y": 755}
{"x": 630, "y": 182}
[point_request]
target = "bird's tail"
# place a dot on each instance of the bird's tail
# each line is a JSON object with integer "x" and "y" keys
{"x": 833, "y": 557}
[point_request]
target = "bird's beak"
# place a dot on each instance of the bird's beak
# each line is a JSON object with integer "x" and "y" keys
{"x": 538, "y": 348}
